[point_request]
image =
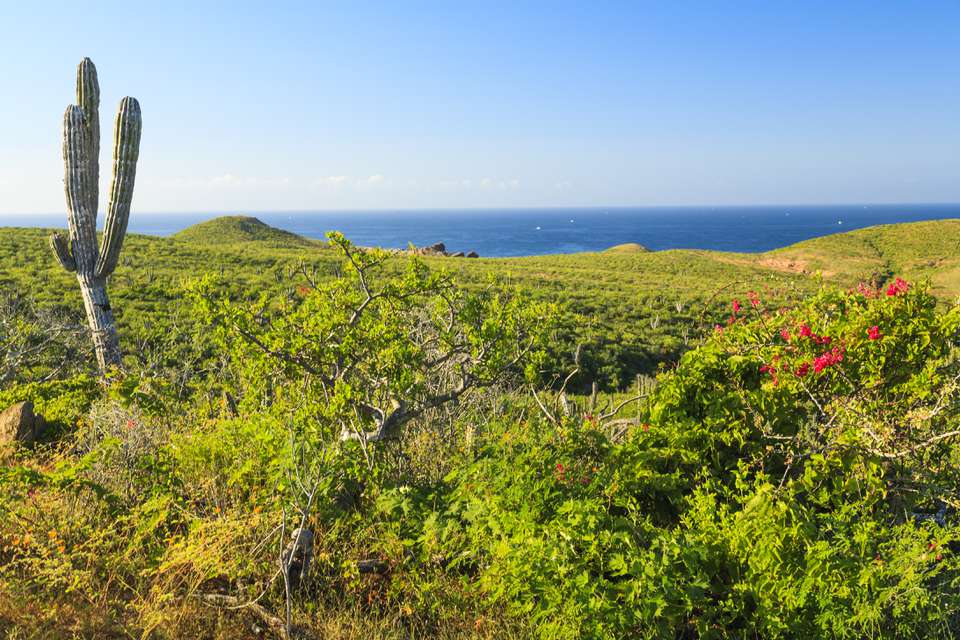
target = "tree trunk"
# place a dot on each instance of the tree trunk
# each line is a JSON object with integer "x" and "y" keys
{"x": 100, "y": 317}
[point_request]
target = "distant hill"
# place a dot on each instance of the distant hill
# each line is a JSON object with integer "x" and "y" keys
{"x": 231, "y": 229}
{"x": 914, "y": 250}
{"x": 628, "y": 247}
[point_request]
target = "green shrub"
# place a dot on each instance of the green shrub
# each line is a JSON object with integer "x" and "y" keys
{"x": 795, "y": 476}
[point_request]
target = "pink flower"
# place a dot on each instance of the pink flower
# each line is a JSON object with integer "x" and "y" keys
{"x": 803, "y": 369}
{"x": 828, "y": 359}
{"x": 899, "y": 286}
{"x": 736, "y": 306}
{"x": 754, "y": 299}
{"x": 805, "y": 331}
{"x": 785, "y": 334}
{"x": 874, "y": 333}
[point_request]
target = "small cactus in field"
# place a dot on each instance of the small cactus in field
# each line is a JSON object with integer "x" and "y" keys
{"x": 81, "y": 159}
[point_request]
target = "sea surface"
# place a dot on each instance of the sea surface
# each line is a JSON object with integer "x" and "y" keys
{"x": 522, "y": 232}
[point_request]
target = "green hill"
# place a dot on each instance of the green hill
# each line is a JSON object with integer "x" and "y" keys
{"x": 231, "y": 229}
{"x": 628, "y": 247}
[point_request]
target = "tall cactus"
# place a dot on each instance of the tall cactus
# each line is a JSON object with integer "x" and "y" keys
{"x": 81, "y": 159}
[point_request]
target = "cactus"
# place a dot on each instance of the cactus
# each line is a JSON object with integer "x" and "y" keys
{"x": 81, "y": 159}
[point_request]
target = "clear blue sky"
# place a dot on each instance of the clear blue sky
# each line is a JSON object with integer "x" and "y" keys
{"x": 271, "y": 106}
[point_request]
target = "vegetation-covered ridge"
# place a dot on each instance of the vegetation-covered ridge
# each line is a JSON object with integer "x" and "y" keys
{"x": 231, "y": 229}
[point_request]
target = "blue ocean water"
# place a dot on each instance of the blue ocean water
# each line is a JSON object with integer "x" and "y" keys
{"x": 521, "y": 232}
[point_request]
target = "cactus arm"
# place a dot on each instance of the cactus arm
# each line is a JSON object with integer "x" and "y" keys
{"x": 62, "y": 252}
{"x": 126, "y": 150}
{"x": 82, "y": 220}
{"x": 88, "y": 97}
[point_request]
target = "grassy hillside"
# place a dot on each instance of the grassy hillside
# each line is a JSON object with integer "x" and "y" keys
{"x": 234, "y": 229}
{"x": 630, "y": 308}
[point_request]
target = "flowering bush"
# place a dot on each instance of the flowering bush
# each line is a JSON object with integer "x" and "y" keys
{"x": 795, "y": 476}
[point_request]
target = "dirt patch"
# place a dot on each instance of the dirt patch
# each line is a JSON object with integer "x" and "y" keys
{"x": 790, "y": 265}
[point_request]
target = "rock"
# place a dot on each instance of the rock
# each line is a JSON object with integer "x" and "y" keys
{"x": 458, "y": 254}
{"x": 438, "y": 247}
{"x": 297, "y": 558}
{"x": 19, "y": 424}
{"x": 473, "y": 254}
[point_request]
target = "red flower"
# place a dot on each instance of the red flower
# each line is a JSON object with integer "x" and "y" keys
{"x": 874, "y": 332}
{"x": 736, "y": 306}
{"x": 785, "y": 334}
{"x": 828, "y": 359}
{"x": 559, "y": 468}
{"x": 803, "y": 369}
{"x": 805, "y": 331}
{"x": 754, "y": 299}
{"x": 899, "y": 286}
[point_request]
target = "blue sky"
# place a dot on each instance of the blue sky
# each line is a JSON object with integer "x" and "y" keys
{"x": 273, "y": 106}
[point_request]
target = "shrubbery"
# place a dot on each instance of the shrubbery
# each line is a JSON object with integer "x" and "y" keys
{"x": 795, "y": 475}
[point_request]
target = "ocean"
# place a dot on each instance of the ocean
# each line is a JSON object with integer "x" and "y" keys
{"x": 524, "y": 232}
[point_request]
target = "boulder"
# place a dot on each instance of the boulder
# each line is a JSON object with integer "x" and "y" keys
{"x": 438, "y": 247}
{"x": 473, "y": 254}
{"x": 19, "y": 424}
{"x": 458, "y": 254}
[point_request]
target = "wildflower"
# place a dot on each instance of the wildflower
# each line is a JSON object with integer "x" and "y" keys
{"x": 560, "y": 468}
{"x": 754, "y": 299}
{"x": 803, "y": 369}
{"x": 785, "y": 334}
{"x": 874, "y": 332}
{"x": 131, "y": 424}
{"x": 805, "y": 331}
{"x": 645, "y": 427}
{"x": 899, "y": 286}
{"x": 736, "y": 306}
{"x": 866, "y": 291}
{"x": 828, "y": 359}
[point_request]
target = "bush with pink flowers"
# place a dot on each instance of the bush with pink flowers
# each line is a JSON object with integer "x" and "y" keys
{"x": 796, "y": 476}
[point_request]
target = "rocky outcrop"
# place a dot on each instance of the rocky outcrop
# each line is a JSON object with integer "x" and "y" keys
{"x": 438, "y": 249}
{"x": 19, "y": 424}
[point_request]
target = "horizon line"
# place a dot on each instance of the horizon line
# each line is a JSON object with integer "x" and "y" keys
{"x": 254, "y": 212}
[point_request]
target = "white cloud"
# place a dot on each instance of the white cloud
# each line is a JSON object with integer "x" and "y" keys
{"x": 230, "y": 180}
{"x": 331, "y": 181}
